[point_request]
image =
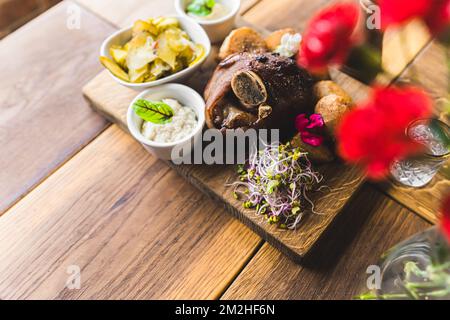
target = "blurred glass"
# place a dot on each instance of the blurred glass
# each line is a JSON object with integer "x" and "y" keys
{"x": 420, "y": 170}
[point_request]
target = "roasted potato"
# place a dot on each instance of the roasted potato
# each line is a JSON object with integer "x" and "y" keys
{"x": 244, "y": 39}
{"x": 332, "y": 108}
{"x": 321, "y": 154}
{"x": 327, "y": 87}
{"x": 274, "y": 39}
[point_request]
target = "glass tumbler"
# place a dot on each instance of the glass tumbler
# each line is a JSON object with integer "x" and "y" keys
{"x": 420, "y": 170}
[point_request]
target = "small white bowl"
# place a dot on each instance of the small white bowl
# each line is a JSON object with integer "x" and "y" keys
{"x": 217, "y": 29}
{"x": 187, "y": 97}
{"x": 192, "y": 28}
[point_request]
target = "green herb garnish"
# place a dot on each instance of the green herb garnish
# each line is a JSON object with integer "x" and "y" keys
{"x": 201, "y": 7}
{"x": 154, "y": 112}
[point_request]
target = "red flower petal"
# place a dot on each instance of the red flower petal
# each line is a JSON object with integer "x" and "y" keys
{"x": 374, "y": 134}
{"x": 328, "y": 38}
{"x": 394, "y": 12}
{"x": 438, "y": 18}
{"x": 436, "y": 13}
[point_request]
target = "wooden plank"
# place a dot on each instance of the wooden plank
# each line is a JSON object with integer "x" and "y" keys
{"x": 404, "y": 56}
{"x": 194, "y": 277}
{"x": 430, "y": 72}
{"x": 338, "y": 269}
{"x": 278, "y": 14}
{"x": 133, "y": 226}
{"x": 342, "y": 180}
{"x": 400, "y": 45}
{"x": 123, "y": 13}
{"x": 43, "y": 118}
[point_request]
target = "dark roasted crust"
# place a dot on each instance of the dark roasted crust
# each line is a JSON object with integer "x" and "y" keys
{"x": 289, "y": 88}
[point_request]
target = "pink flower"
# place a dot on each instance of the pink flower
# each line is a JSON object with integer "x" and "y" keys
{"x": 307, "y": 128}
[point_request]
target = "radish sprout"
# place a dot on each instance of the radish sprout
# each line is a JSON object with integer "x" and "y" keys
{"x": 275, "y": 182}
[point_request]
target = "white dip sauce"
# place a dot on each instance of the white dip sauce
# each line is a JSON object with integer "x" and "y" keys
{"x": 183, "y": 123}
{"x": 219, "y": 11}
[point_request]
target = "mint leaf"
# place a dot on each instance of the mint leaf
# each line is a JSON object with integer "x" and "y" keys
{"x": 201, "y": 7}
{"x": 154, "y": 112}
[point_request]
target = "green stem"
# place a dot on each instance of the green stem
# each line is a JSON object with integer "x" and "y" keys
{"x": 373, "y": 296}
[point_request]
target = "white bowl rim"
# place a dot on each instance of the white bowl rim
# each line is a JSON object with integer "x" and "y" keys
{"x": 230, "y": 15}
{"x": 169, "y": 87}
{"x": 172, "y": 77}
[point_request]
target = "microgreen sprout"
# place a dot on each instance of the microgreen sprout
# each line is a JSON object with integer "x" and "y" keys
{"x": 276, "y": 182}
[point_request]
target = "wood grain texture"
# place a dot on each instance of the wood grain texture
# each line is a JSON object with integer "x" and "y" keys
{"x": 342, "y": 180}
{"x": 428, "y": 71}
{"x": 135, "y": 228}
{"x": 278, "y": 14}
{"x": 108, "y": 219}
{"x": 404, "y": 57}
{"x": 369, "y": 226}
{"x": 43, "y": 118}
{"x": 123, "y": 13}
{"x": 400, "y": 44}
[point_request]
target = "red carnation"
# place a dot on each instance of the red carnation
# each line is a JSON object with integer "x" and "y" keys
{"x": 445, "y": 223}
{"x": 374, "y": 134}
{"x": 399, "y": 11}
{"x": 438, "y": 20}
{"x": 329, "y": 37}
{"x": 436, "y": 13}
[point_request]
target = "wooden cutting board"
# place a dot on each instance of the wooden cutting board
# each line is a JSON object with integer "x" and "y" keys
{"x": 112, "y": 100}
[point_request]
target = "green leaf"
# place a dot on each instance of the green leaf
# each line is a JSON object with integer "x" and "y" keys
{"x": 154, "y": 112}
{"x": 201, "y": 7}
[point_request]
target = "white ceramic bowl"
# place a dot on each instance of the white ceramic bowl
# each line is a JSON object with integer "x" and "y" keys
{"x": 192, "y": 28}
{"x": 218, "y": 29}
{"x": 187, "y": 97}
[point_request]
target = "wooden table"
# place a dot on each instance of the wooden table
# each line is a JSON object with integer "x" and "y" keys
{"x": 77, "y": 191}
